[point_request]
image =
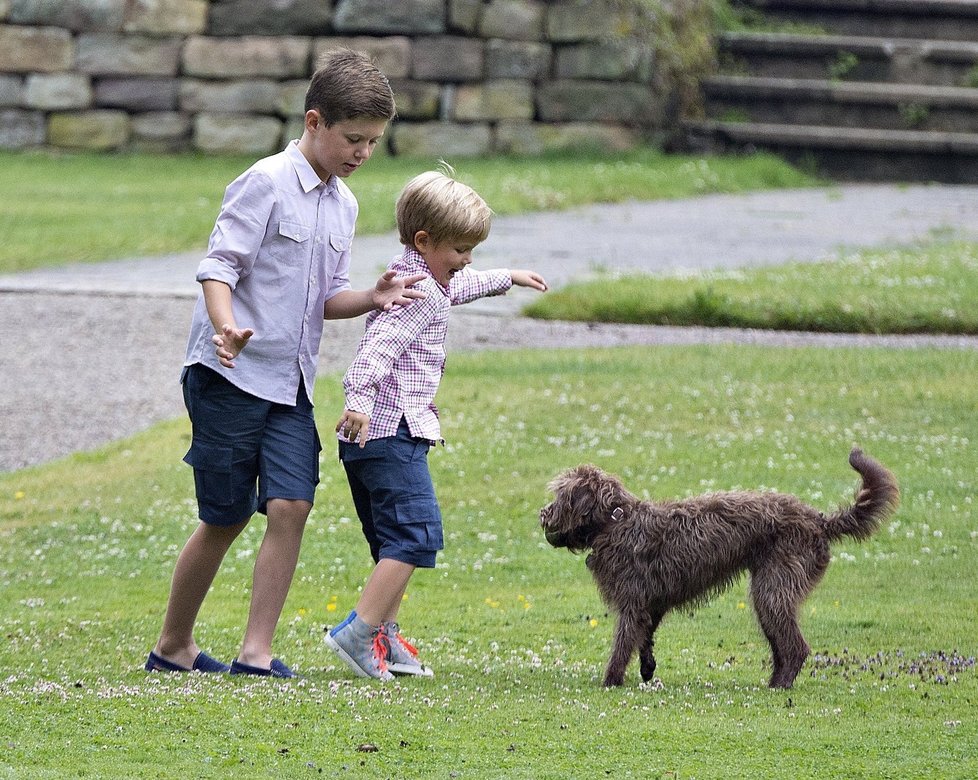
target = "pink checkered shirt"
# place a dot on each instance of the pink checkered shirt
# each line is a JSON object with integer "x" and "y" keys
{"x": 401, "y": 357}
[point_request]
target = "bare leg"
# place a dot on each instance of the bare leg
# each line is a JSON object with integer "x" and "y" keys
{"x": 382, "y": 595}
{"x": 274, "y": 569}
{"x": 193, "y": 575}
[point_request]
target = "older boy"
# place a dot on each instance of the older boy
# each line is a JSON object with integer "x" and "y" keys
{"x": 390, "y": 419}
{"x": 276, "y": 265}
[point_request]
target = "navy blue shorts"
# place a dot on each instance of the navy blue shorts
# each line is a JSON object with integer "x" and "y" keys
{"x": 246, "y": 450}
{"x": 394, "y": 497}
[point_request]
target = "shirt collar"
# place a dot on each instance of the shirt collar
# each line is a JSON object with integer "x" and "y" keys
{"x": 308, "y": 178}
{"x": 414, "y": 263}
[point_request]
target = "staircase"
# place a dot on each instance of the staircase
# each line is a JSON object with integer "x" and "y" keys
{"x": 870, "y": 90}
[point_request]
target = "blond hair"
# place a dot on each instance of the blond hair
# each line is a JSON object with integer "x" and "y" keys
{"x": 443, "y": 207}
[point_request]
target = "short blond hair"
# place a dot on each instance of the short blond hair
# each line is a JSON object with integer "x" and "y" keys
{"x": 443, "y": 207}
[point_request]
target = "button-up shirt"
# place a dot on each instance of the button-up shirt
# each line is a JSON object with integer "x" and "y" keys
{"x": 282, "y": 244}
{"x": 401, "y": 357}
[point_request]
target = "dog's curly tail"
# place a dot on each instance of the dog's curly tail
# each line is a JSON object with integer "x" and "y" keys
{"x": 876, "y": 499}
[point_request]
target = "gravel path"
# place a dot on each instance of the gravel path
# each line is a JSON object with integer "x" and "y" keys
{"x": 92, "y": 353}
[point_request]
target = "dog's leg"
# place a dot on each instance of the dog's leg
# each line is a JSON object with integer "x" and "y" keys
{"x": 645, "y": 655}
{"x": 628, "y": 634}
{"x": 777, "y": 591}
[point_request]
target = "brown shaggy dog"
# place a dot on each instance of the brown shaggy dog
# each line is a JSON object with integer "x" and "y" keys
{"x": 649, "y": 557}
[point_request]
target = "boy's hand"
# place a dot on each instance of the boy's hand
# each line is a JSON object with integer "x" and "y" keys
{"x": 353, "y": 424}
{"x": 393, "y": 290}
{"x": 229, "y": 343}
{"x": 529, "y": 279}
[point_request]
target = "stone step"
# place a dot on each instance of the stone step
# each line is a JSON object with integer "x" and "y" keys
{"x": 929, "y": 19}
{"x": 849, "y": 153}
{"x": 842, "y": 104}
{"x": 850, "y": 58}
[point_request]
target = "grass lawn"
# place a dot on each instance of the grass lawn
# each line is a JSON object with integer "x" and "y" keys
{"x": 924, "y": 289}
{"x": 513, "y": 628}
{"x": 57, "y": 208}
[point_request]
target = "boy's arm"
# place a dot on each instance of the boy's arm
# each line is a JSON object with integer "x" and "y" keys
{"x": 391, "y": 290}
{"x": 469, "y": 285}
{"x": 228, "y": 338}
{"x": 387, "y": 338}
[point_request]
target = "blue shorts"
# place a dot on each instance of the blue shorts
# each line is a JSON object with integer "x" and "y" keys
{"x": 394, "y": 497}
{"x": 246, "y": 450}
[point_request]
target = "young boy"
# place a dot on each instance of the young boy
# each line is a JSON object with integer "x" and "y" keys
{"x": 390, "y": 419}
{"x": 277, "y": 264}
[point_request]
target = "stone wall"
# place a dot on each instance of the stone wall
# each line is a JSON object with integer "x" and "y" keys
{"x": 469, "y": 76}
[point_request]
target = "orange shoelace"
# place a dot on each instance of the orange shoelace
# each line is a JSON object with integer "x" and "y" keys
{"x": 381, "y": 650}
{"x": 407, "y": 645}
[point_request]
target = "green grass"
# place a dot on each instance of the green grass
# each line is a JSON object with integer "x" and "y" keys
{"x": 924, "y": 289}
{"x": 57, "y": 208}
{"x": 514, "y": 629}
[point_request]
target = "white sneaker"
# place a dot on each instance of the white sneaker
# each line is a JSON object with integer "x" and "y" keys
{"x": 402, "y": 657}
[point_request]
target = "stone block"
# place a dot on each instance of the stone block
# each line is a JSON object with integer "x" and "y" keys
{"x": 534, "y": 138}
{"x": 57, "y": 91}
{"x": 21, "y": 129}
{"x": 441, "y": 140}
{"x": 137, "y": 94}
{"x": 291, "y": 100}
{"x": 246, "y": 96}
{"x": 517, "y": 60}
{"x": 235, "y": 58}
{"x": 166, "y": 17}
{"x": 161, "y": 131}
{"x": 35, "y": 49}
{"x": 76, "y": 15}
{"x": 278, "y": 17}
{"x": 11, "y": 91}
{"x": 94, "y": 130}
{"x": 418, "y": 17}
{"x": 416, "y": 99}
{"x": 597, "y": 101}
{"x": 588, "y": 20}
{"x": 391, "y": 54}
{"x": 494, "y": 100}
{"x": 237, "y": 134}
{"x": 447, "y": 58}
{"x": 612, "y": 61}
{"x": 128, "y": 55}
{"x": 464, "y": 15}
{"x": 520, "y": 20}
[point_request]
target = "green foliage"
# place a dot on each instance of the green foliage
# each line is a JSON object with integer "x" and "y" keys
{"x": 515, "y": 629}
{"x": 925, "y": 289}
{"x": 59, "y": 208}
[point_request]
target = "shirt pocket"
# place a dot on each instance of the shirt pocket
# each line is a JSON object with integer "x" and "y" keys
{"x": 340, "y": 243}
{"x": 294, "y": 231}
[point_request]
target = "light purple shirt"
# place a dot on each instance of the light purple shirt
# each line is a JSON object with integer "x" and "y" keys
{"x": 282, "y": 244}
{"x": 401, "y": 357}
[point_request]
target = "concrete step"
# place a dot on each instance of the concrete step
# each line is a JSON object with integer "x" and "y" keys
{"x": 929, "y": 19}
{"x": 849, "y": 153}
{"x": 850, "y": 58}
{"x": 842, "y": 104}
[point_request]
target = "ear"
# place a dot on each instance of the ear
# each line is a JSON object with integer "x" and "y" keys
{"x": 422, "y": 241}
{"x": 313, "y": 120}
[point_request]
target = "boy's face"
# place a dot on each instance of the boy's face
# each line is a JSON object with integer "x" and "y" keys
{"x": 340, "y": 149}
{"x": 446, "y": 258}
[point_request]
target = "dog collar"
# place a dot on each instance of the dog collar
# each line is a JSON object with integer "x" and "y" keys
{"x": 617, "y": 513}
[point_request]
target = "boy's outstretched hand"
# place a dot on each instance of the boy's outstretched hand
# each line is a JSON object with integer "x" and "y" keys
{"x": 229, "y": 343}
{"x": 392, "y": 290}
{"x": 353, "y": 424}
{"x": 529, "y": 279}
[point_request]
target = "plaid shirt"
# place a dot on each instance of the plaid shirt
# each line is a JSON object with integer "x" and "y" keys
{"x": 401, "y": 357}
